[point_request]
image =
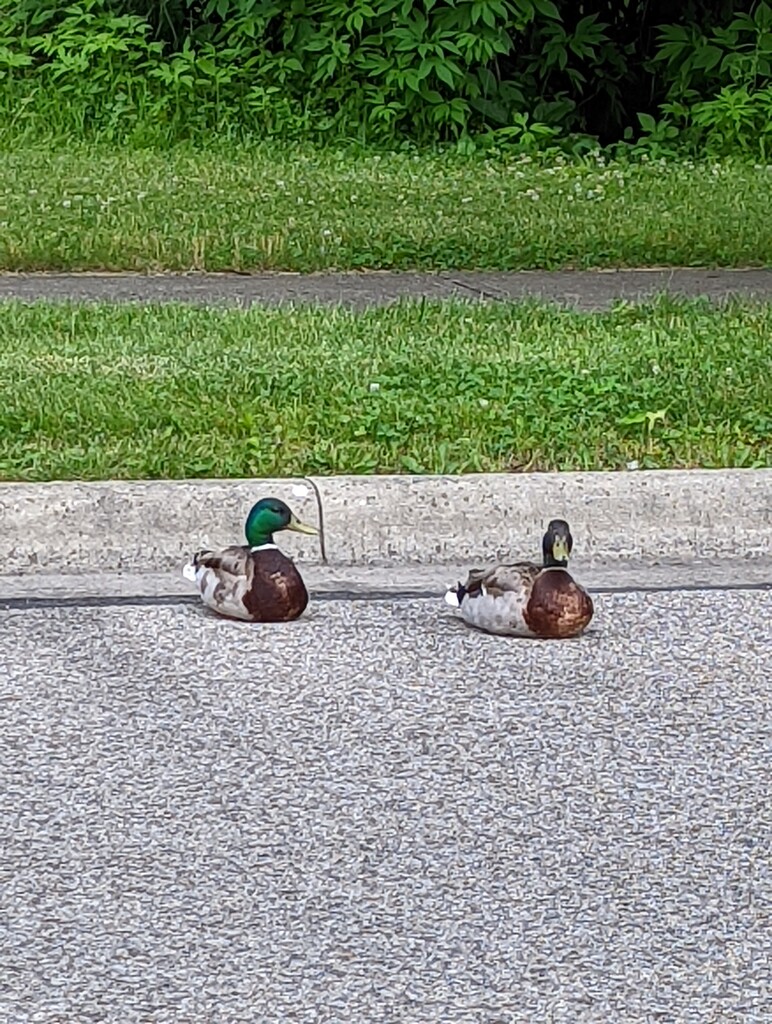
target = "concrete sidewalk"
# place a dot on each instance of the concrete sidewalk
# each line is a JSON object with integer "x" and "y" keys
{"x": 586, "y": 290}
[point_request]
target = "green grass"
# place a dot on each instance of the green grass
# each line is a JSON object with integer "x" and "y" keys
{"x": 258, "y": 208}
{"x": 96, "y": 392}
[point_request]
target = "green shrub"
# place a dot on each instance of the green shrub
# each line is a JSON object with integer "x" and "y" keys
{"x": 512, "y": 72}
{"x": 719, "y": 100}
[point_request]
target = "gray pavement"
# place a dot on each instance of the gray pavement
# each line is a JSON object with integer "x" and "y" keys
{"x": 375, "y": 814}
{"x": 582, "y": 289}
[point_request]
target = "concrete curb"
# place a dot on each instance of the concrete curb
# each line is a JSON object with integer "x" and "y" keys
{"x": 654, "y": 517}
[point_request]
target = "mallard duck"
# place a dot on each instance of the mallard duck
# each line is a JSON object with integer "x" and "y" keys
{"x": 524, "y": 599}
{"x": 255, "y": 581}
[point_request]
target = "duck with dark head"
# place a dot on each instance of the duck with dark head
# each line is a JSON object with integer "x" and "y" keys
{"x": 525, "y": 599}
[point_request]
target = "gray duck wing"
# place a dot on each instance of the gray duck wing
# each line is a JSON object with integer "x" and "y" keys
{"x": 233, "y": 561}
{"x": 502, "y": 578}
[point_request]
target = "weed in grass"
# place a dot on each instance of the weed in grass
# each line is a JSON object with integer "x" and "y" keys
{"x": 97, "y": 392}
{"x": 262, "y": 208}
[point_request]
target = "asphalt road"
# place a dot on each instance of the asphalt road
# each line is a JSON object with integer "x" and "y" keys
{"x": 581, "y": 289}
{"x": 378, "y": 815}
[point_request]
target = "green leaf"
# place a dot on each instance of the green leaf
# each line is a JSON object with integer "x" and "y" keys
{"x": 547, "y": 8}
{"x": 707, "y": 57}
{"x": 412, "y": 465}
{"x": 655, "y": 417}
{"x": 526, "y": 10}
{"x": 445, "y": 75}
{"x": 317, "y": 43}
{"x": 430, "y": 95}
{"x": 673, "y": 32}
{"x": 412, "y": 80}
{"x": 587, "y": 23}
{"x": 669, "y": 51}
{"x": 371, "y": 62}
{"x": 632, "y": 419}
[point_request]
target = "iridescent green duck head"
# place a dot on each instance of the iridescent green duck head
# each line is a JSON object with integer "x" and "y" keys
{"x": 270, "y": 516}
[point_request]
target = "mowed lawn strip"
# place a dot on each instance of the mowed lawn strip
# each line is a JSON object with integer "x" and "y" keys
{"x": 95, "y": 392}
{"x": 294, "y": 208}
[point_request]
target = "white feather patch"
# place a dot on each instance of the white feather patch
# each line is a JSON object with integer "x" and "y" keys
{"x": 189, "y": 572}
{"x": 451, "y": 598}
{"x": 502, "y": 614}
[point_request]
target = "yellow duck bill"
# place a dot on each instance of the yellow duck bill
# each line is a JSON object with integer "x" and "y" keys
{"x": 298, "y": 527}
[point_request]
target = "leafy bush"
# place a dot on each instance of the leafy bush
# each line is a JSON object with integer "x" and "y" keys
{"x": 521, "y": 72}
{"x": 719, "y": 100}
{"x": 697, "y": 62}
{"x": 738, "y": 120}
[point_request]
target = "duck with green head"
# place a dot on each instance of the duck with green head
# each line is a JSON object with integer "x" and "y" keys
{"x": 255, "y": 581}
{"x": 525, "y": 599}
